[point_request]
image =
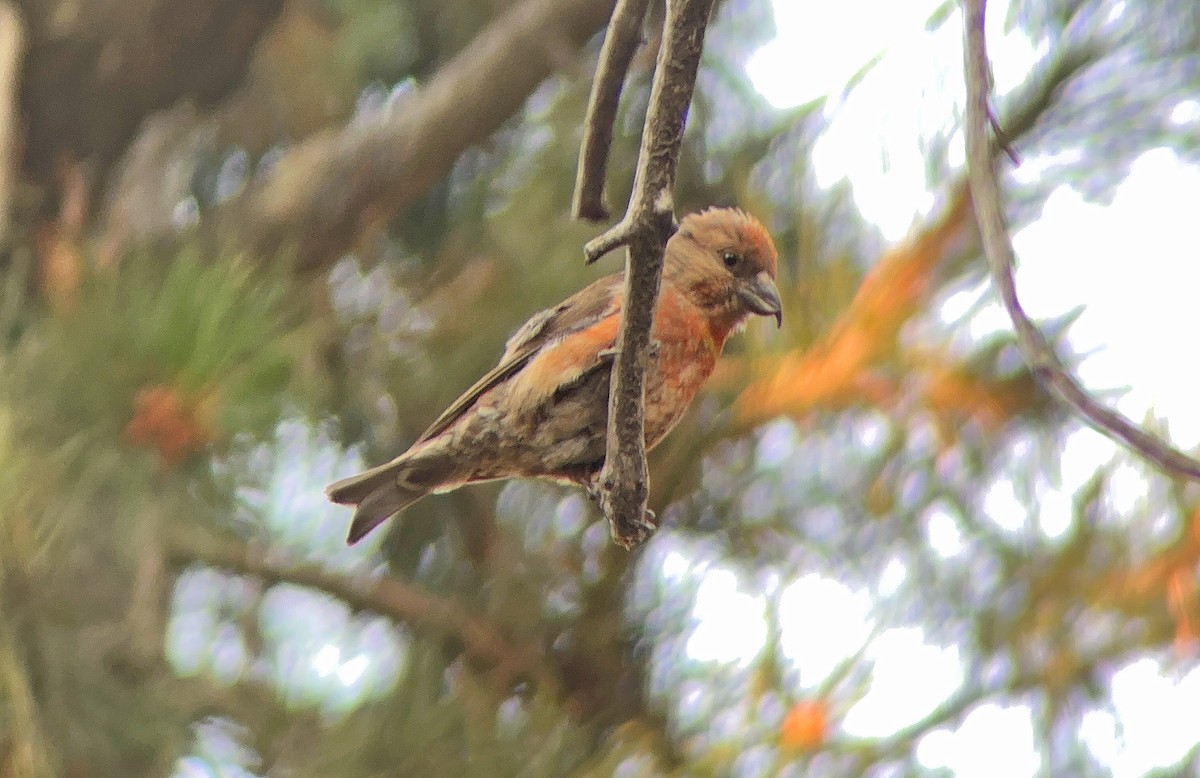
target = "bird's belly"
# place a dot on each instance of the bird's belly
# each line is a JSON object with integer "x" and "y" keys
{"x": 558, "y": 438}
{"x": 565, "y": 436}
{"x": 677, "y": 373}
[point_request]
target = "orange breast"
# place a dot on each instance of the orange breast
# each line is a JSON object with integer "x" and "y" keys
{"x": 687, "y": 353}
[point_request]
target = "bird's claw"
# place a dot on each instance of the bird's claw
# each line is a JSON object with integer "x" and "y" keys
{"x": 632, "y": 533}
{"x": 625, "y": 532}
{"x": 652, "y": 349}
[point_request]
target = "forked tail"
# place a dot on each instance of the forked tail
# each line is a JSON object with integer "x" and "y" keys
{"x": 377, "y": 495}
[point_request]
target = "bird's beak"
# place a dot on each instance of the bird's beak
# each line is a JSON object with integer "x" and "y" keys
{"x": 762, "y": 296}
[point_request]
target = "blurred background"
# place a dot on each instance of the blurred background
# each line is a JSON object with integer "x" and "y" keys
{"x": 250, "y": 246}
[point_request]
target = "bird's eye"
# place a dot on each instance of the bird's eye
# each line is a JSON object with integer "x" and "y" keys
{"x": 729, "y": 258}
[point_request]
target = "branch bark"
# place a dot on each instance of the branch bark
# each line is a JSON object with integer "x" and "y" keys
{"x": 620, "y": 44}
{"x": 12, "y": 54}
{"x": 622, "y": 487}
{"x": 95, "y": 70}
{"x": 1035, "y": 348}
{"x": 391, "y": 597}
{"x": 326, "y": 190}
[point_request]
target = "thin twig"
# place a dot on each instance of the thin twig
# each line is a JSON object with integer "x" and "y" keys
{"x": 1035, "y": 348}
{"x": 623, "y": 485}
{"x": 620, "y": 43}
{"x": 1029, "y": 677}
{"x": 1034, "y": 99}
{"x": 1002, "y": 139}
{"x": 386, "y": 596}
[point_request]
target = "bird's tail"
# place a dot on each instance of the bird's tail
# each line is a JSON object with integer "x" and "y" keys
{"x": 382, "y": 492}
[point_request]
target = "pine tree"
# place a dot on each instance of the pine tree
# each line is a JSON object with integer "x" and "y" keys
{"x": 270, "y": 241}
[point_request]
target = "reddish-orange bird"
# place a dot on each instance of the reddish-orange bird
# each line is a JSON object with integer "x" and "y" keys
{"x": 542, "y": 412}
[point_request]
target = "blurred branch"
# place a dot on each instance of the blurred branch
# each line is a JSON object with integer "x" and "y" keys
{"x": 326, "y": 190}
{"x": 95, "y": 70}
{"x": 386, "y": 596}
{"x": 252, "y": 702}
{"x": 149, "y": 602}
{"x": 25, "y": 748}
{"x": 971, "y": 694}
{"x": 12, "y": 53}
{"x": 623, "y": 486}
{"x": 148, "y": 182}
{"x": 1036, "y": 349}
{"x": 620, "y": 44}
{"x": 1034, "y": 100}
{"x": 838, "y": 366}
{"x": 1062, "y": 669}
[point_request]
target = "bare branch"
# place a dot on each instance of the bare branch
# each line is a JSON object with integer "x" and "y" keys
{"x": 1002, "y": 139}
{"x": 1025, "y": 679}
{"x": 324, "y": 192}
{"x": 386, "y": 596}
{"x": 620, "y": 43}
{"x": 12, "y": 54}
{"x": 1037, "y": 351}
{"x": 96, "y": 70}
{"x": 623, "y": 485}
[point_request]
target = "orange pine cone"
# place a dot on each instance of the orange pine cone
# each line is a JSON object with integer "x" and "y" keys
{"x": 165, "y": 421}
{"x": 806, "y": 725}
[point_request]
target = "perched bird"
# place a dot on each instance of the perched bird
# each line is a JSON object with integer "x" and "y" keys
{"x": 542, "y": 412}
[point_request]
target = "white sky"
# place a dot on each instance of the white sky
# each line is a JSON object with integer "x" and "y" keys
{"x": 1131, "y": 263}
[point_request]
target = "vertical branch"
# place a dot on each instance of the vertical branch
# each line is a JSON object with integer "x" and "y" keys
{"x": 12, "y": 51}
{"x": 620, "y": 43}
{"x": 623, "y": 486}
{"x": 1035, "y": 348}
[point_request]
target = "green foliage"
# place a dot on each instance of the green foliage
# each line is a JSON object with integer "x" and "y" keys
{"x": 81, "y": 502}
{"x": 429, "y": 727}
{"x": 220, "y": 332}
{"x": 376, "y": 39}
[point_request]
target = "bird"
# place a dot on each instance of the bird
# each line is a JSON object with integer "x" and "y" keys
{"x": 542, "y": 411}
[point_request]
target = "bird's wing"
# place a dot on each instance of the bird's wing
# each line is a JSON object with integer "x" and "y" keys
{"x": 583, "y": 310}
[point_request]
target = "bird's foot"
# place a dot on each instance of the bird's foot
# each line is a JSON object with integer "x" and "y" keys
{"x": 652, "y": 349}
{"x": 627, "y": 533}
{"x": 631, "y": 533}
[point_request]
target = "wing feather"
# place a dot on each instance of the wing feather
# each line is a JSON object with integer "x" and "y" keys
{"x": 582, "y": 310}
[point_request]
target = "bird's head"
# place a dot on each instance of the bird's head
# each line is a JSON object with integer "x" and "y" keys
{"x": 725, "y": 261}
